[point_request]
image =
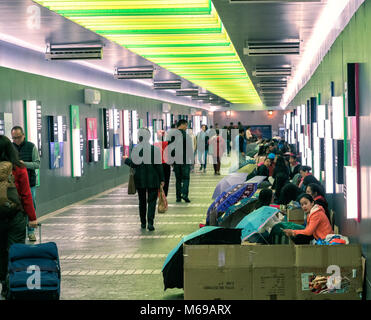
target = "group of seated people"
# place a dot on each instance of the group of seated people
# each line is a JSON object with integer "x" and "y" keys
{"x": 288, "y": 181}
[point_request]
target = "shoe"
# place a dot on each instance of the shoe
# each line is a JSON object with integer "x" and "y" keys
{"x": 186, "y": 199}
{"x": 200, "y": 168}
{"x": 151, "y": 228}
{"x": 143, "y": 225}
{"x": 218, "y": 173}
{"x": 178, "y": 200}
{"x": 31, "y": 237}
{"x": 204, "y": 170}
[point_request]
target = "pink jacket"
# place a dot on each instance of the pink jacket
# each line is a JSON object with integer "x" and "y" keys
{"x": 318, "y": 224}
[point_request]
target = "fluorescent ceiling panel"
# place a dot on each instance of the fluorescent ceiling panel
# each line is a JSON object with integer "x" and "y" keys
{"x": 185, "y": 37}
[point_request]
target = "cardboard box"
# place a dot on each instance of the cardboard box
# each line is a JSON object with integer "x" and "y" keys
{"x": 267, "y": 272}
{"x": 315, "y": 260}
{"x": 217, "y": 272}
{"x": 295, "y": 216}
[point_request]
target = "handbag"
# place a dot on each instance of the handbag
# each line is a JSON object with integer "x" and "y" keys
{"x": 162, "y": 201}
{"x": 131, "y": 185}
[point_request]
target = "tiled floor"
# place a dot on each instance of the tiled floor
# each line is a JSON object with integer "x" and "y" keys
{"x": 106, "y": 255}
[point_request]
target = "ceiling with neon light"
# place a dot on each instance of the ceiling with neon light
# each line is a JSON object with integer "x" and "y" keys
{"x": 187, "y": 38}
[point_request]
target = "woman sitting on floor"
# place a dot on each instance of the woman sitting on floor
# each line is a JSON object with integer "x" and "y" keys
{"x": 318, "y": 225}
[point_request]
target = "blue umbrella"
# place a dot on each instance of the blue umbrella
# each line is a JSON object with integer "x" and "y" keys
{"x": 172, "y": 269}
{"x": 243, "y": 206}
{"x": 228, "y": 181}
{"x": 255, "y": 221}
{"x": 246, "y": 191}
{"x": 224, "y": 195}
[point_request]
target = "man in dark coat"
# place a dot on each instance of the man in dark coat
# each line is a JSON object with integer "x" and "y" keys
{"x": 29, "y": 156}
{"x": 184, "y": 157}
{"x": 149, "y": 175}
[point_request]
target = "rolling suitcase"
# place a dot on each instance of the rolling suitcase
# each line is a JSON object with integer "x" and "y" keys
{"x": 34, "y": 271}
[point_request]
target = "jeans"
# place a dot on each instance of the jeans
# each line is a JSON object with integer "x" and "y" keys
{"x": 202, "y": 158}
{"x": 182, "y": 176}
{"x": 33, "y": 192}
{"x": 11, "y": 231}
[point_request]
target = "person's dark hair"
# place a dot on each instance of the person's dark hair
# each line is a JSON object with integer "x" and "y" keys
{"x": 241, "y": 131}
{"x": 280, "y": 163}
{"x": 248, "y": 127}
{"x": 181, "y": 122}
{"x": 8, "y": 152}
{"x": 310, "y": 179}
{"x": 17, "y": 128}
{"x": 217, "y": 131}
{"x": 173, "y": 126}
{"x": 262, "y": 151}
{"x": 265, "y": 197}
{"x": 305, "y": 168}
{"x": 316, "y": 188}
{"x": 290, "y": 192}
{"x": 280, "y": 181}
{"x": 307, "y": 196}
{"x": 293, "y": 156}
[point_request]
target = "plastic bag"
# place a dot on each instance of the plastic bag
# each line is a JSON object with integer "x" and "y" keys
{"x": 131, "y": 185}
{"x": 162, "y": 201}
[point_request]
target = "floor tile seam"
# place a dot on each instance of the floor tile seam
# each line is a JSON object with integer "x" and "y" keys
{"x": 110, "y": 272}
{"x": 118, "y": 223}
{"x": 129, "y": 237}
{"x": 114, "y": 256}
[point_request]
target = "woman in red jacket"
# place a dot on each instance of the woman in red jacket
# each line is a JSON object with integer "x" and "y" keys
{"x": 13, "y": 226}
{"x": 318, "y": 225}
{"x": 218, "y": 147}
{"x": 161, "y": 144}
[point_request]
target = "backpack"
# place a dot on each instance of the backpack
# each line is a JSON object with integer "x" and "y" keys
{"x": 10, "y": 203}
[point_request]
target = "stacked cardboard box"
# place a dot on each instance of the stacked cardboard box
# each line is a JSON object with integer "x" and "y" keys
{"x": 295, "y": 215}
{"x": 264, "y": 272}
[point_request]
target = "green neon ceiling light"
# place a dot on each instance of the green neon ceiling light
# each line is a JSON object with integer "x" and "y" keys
{"x": 185, "y": 37}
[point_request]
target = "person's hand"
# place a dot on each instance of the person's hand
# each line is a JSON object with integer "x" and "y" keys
{"x": 288, "y": 232}
{"x": 33, "y": 224}
{"x": 21, "y": 161}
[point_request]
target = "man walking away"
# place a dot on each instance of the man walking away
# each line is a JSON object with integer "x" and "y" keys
{"x": 183, "y": 160}
{"x": 203, "y": 147}
{"x": 29, "y": 156}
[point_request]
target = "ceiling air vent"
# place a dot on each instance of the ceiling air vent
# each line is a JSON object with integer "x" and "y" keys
{"x": 272, "y": 84}
{"x": 167, "y": 84}
{"x": 74, "y": 51}
{"x": 272, "y": 72}
{"x": 187, "y": 92}
{"x": 202, "y": 97}
{"x": 272, "y": 90}
{"x": 271, "y": 48}
{"x": 134, "y": 73}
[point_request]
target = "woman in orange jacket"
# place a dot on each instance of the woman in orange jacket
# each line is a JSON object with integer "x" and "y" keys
{"x": 318, "y": 225}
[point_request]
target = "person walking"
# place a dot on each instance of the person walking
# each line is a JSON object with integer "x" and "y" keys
{"x": 241, "y": 147}
{"x": 183, "y": 160}
{"x": 13, "y": 224}
{"x": 218, "y": 146}
{"x": 149, "y": 175}
{"x": 203, "y": 147}
{"x": 162, "y": 145}
{"x": 29, "y": 156}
